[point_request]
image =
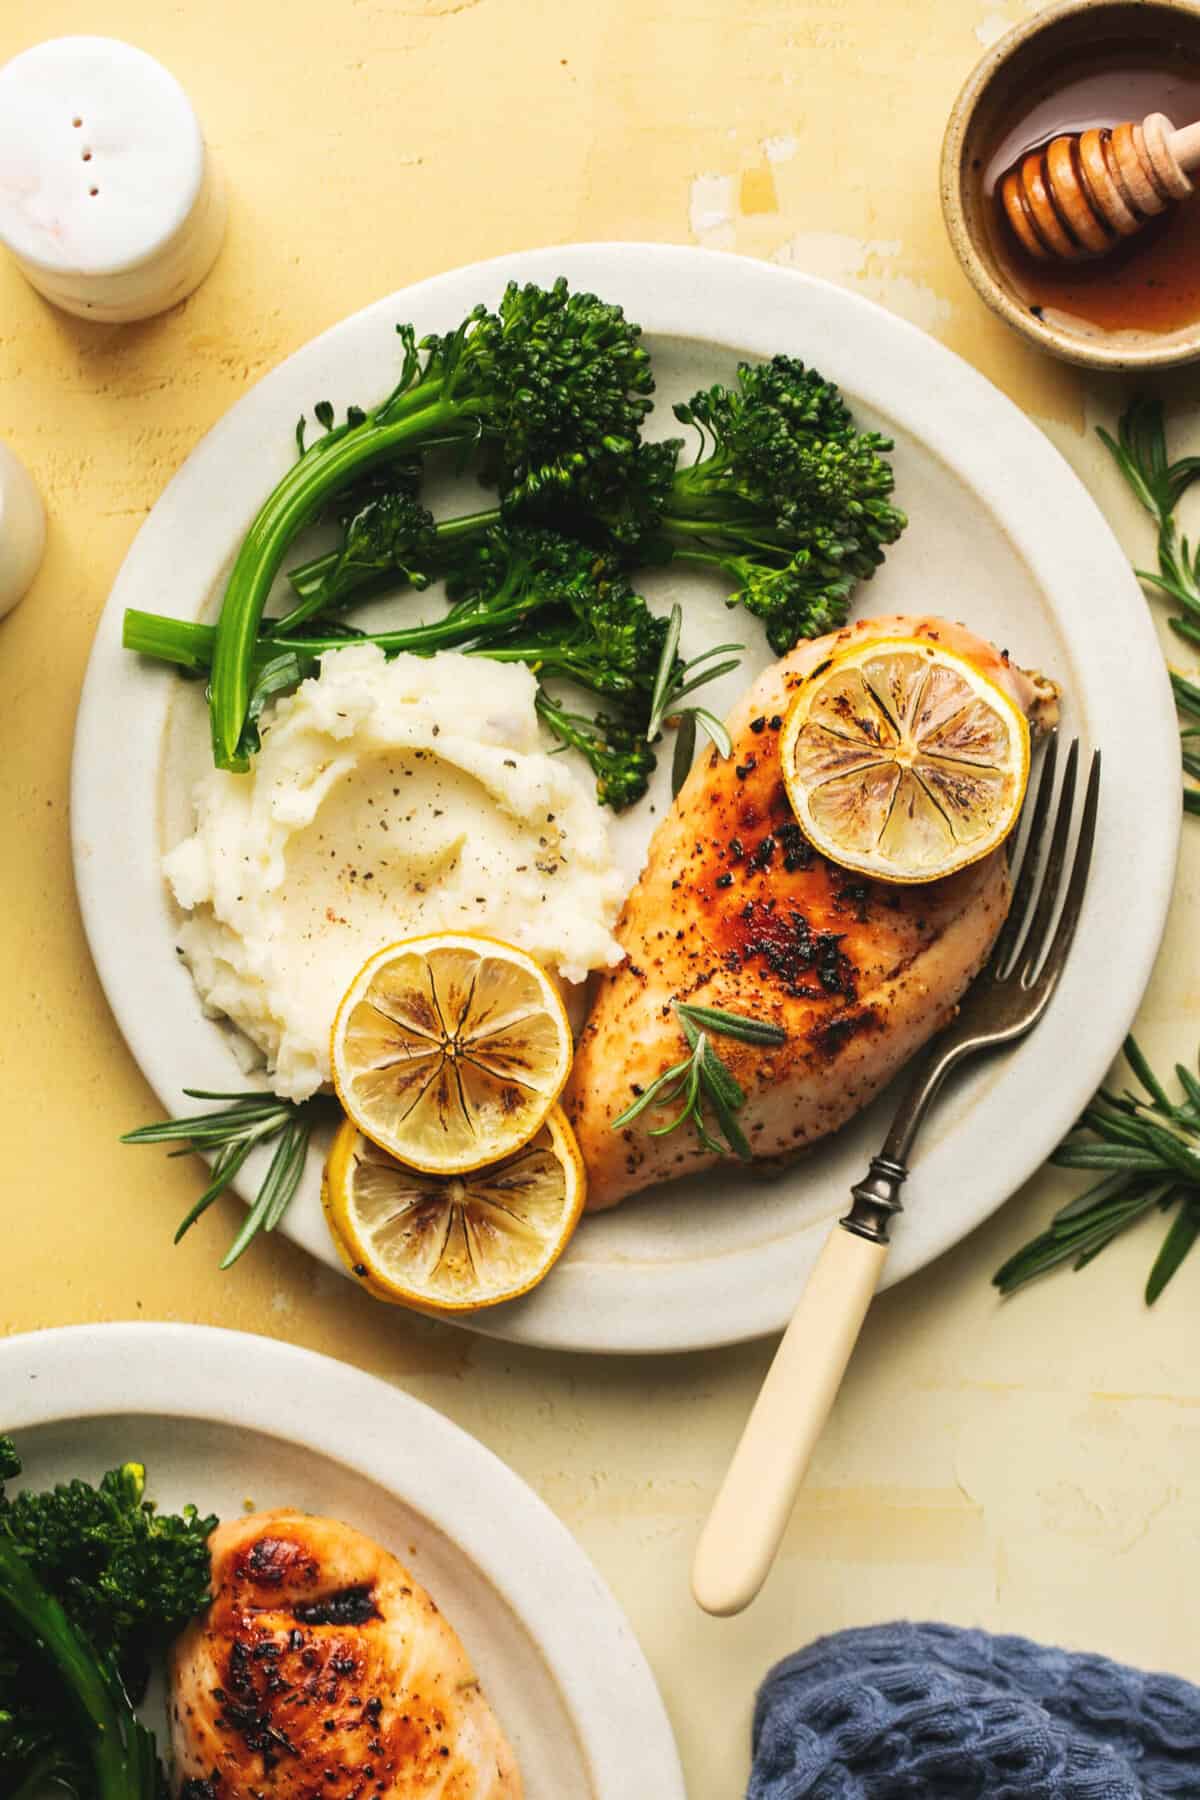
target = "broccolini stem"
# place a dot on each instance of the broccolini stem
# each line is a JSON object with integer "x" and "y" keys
{"x": 296, "y": 501}
{"x": 706, "y": 559}
{"x": 308, "y": 580}
{"x": 695, "y": 553}
{"x": 192, "y": 646}
{"x": 176, "y": 641}
{"x": 694, "y": 527}
{"x": 564, "y": 725}
{"x": 470, "y": 525}
{"x": 750, "y": 531}
{"x": 123, "y": 1769}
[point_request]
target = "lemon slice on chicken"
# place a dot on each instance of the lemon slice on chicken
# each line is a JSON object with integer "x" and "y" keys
{"x": 449, "y": 1050}
{"x": 903, "y": 762}
{"x": 451, "y": 1242}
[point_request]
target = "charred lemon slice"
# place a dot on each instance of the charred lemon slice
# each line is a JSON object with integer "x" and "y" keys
{"x": 902, "y": 761}
{"x": 448, "y": 1051}
{"x": 448, "y": 1243}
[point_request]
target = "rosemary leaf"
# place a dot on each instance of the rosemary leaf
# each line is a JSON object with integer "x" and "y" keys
{"x": 685, "y": 750}
{"x": 731, "y": 1025}
{"x": 691, "y": 1097}
{"x": 1144, "y": 1073}
{"x": 205, "y": 1128}
{"x": 725, "y": 668}
{"x": 725, "y": 1090}
{"x": 1116, "y": 1125}
{"x": 1191, "y": 1088}
{"x": 1093, "y": 1197}
{"x": 720, "y": 739}
{"x": 1187, "y": 694}
{"x": 1146, "y": 1166}
{"x": 722, "y": 1088}
{"x": 676, "y": 1076}
{"x": 1185, "y": 1228}
{"x": 1103, "y": 1156}
{"x": 225, "y": 1166}
{"x": 1185, "y": 628}
{"x": 275, "y": 1194}
{"x": 1078, "y": 1245}
{"x": 1174, "y": 1154}
{"x": 660, "y": 693}
{"x": 288, "y": 1175}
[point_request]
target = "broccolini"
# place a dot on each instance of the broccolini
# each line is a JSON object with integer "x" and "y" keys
{"x": 93, "y": 1583}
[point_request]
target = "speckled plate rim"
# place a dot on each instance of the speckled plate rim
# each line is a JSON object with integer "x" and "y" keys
{"x": 278, "y": 1391}
{"x": 626, "y": 1304}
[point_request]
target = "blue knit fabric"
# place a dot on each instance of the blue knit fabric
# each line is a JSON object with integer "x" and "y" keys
{"x": 929, "y": 1712}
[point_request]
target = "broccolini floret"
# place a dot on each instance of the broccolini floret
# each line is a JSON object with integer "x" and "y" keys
{"x": 805, "y": 597}
{"x": 383, "y": 532}
{"x": 787, "y": 498}
{"x": 594, "y": 630}
{"x": 389, "y": 541}
{"x": 615, "y": 747}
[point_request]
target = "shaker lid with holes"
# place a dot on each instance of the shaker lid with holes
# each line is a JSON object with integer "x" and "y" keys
{"x": 104, "y": 188}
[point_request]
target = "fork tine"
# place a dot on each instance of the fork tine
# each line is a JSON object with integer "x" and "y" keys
{"x": 1039, "y": 929}
{"x": 1060, "y": 943}
{"x": 1023, "y": 892}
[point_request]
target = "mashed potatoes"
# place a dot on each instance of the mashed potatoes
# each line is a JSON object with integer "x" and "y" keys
{"x": 389, "y": 798}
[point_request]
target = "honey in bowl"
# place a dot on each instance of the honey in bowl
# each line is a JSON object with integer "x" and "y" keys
{"x": 1148, "y": 282}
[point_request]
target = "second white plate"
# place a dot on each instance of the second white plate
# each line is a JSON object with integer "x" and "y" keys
{"x": 224, "y": 1419}
{"x": 1003, "y": 536}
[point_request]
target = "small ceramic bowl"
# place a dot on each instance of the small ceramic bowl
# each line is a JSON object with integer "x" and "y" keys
{"x": 996, "y": 92}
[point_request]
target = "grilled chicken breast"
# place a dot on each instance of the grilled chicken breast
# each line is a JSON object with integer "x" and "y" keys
{"x": 734, "y": 909}
{"x": 323, "y": 1669}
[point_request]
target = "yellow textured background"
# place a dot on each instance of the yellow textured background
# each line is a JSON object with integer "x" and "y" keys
{"x": 1033, "y": 1467}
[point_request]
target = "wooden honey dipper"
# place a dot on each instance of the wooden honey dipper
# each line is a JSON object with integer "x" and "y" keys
{"x": 1080, "y": 194}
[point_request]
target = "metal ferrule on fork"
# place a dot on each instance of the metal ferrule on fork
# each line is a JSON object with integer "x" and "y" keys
{"x": 876, "y": 1200}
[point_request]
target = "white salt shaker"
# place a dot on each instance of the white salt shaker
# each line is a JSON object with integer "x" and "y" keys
{"x": 22, "y": 530}
{"x": 108, "y": 199}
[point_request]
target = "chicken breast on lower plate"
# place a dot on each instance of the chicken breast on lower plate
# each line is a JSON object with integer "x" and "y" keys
{"x": 323, "y": 1668}
{"x": 735, "y": 910}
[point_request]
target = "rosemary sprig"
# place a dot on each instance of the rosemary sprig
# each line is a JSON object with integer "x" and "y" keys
{"x": 230, "y": 1135}
{"x": 1187, "y": 699}
{"x": 701, "y": 1080}
{"x": 1147, "y": 1152}
{"x": 1140, "y": 453}
{"x": 673, "y": 682}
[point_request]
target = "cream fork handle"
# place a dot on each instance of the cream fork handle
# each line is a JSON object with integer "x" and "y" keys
{"x": 738, "y": 1544}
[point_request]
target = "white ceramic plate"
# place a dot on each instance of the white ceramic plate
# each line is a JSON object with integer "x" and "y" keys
{"x": 1002, "y": 535}
{"x": 220, "y": 1417}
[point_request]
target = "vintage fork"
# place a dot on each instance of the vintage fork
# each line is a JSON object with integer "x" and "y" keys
{"x": 738, "y": 1544}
